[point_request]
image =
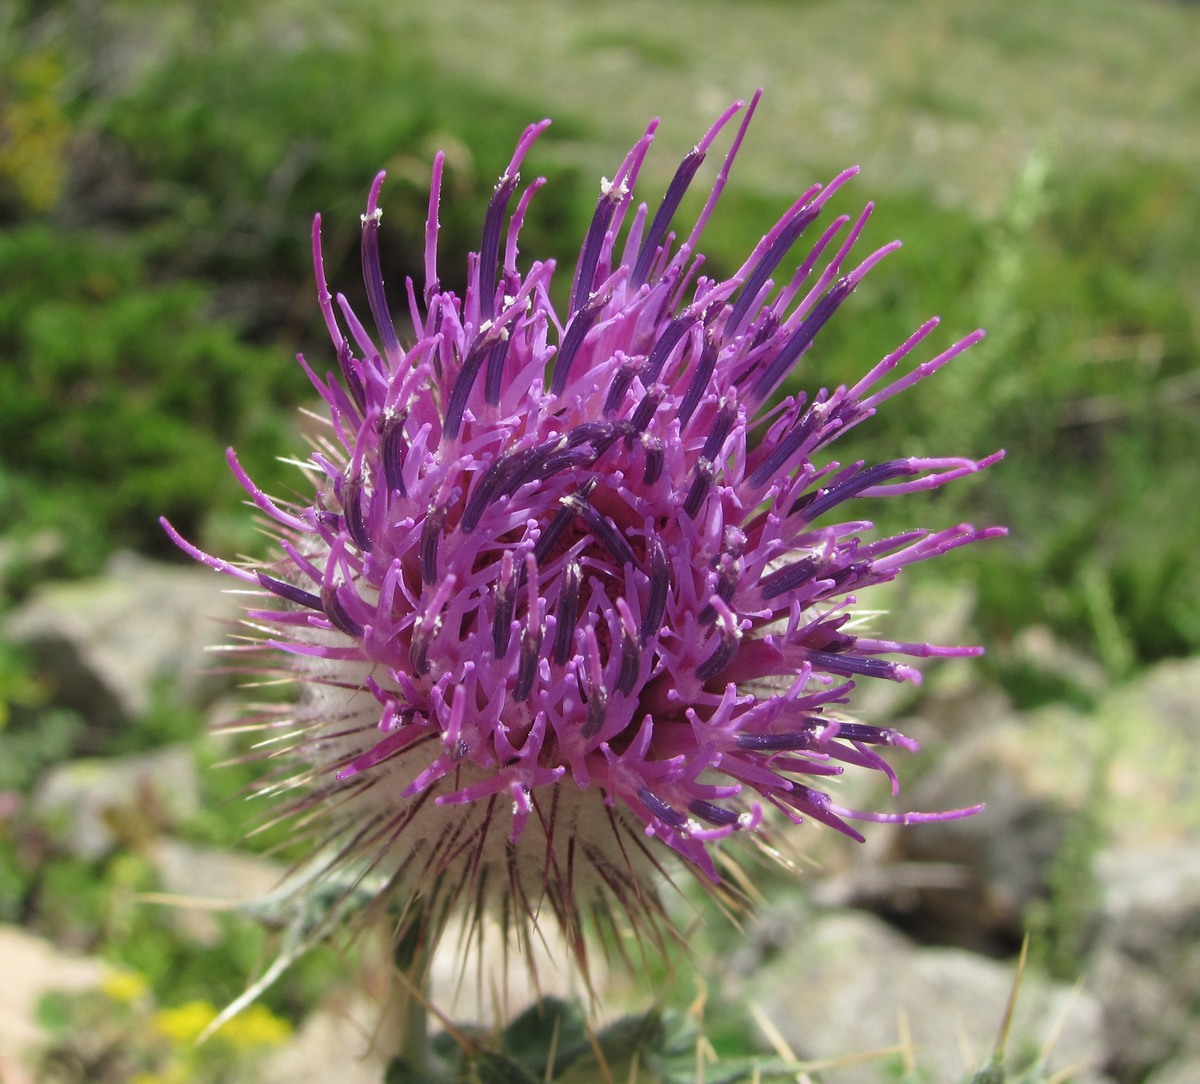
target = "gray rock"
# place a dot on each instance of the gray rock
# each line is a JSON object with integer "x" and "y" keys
{"x": 849, "y": 985}
{"x": 1145, "y": 967}
{"x": 921, "y": 610}
{"x": 1182, "y": 1071}
{"x": 336, "y": 1043}
{"x": 104, "y": 646}
{"x": 107, "y": 801}
{"x": 208, "y": 880}
{"x": 32, "y": 967}
{"x": 1056, "y": 664}
{"x": 480, "y": 979}
{"x": 1003, "y": 854}
{"x": 1152, "y": 727}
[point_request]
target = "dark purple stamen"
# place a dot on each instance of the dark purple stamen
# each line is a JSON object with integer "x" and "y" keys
{"x": 393, "y": 448}
{"x": 463, "y": 384}
{"x": 336, "y": 612}
{"x": 290, "y": 592}
{"x": 714, "y": 814}
{"x": 667, "y": 342}
{"x": 777, "y": 743}
{"x": 484, "y": 490}
{"x": 600, "y": 435}
{"x": 373, "y": 277}
{"x": 418, "y": 648}
{"x": 788, "y": 236}
{"x": 766, "y": 328}
{"x": 431, "y": 535}
{"x": 524, "y": 466}
{"x": 563, "y": 458}
{"x": 644, "y": 413}
{"x": 630, "y": 662}
{"x": 581, "y": 323}
{"x": 802, "y": 337}
{"x": 597, "y": 706}
{"x": 527, "y": 666}
{"x": 786, "y": 579}
{"x": 793, "y": 440}
{"x": 494, "y": 379}
{"x": 567, "y": 613}
{"x": 351, "y": 376}
{"x": 700, "y": 378}
{"x": 728, "y": 573}
{"x": 489, "y": 248}
{"x": 605, "y": 530}
{"x": 571, "y": 507}
{"x": 818, "y": 501}
{"x": 844, "y": 578}
{"x": 666, "y": 211}
{"x": 872, "y": 735}
{"x": 554, "y": 531}
{"x": 855, "y": 665}
{"x": 585, "y": 274}
{"x": 715, "y": 440}
{"x": 655, "y": 460}
{"x": 706, "y": 469}
{"x": 356, "y": 525}
{"x": 620, "y": 384}
{"x": 665, "y": 813}
{"x": 506, "y": 595}
{"x": 699, "y": 488}
{"x": 660, "y": 582}
{"x": 723, "y": 654}
{"x": 547, "y": 459}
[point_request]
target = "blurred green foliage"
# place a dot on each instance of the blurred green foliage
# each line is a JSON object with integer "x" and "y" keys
{"x": 1087, "y": 286}
{"x": 120, "y": 394}
{"x": 121, "y": 1034}
{"x": 159, "y": 167}
{"x": 150, "y": 312}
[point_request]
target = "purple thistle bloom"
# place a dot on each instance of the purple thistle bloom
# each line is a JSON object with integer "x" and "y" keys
{"x": 573, "y": 579}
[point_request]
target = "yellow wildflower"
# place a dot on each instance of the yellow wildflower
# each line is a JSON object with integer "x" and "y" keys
{"x": 184, "y": 1023}
{"x": 124, "y": 986}
{"x": 257, "y": 1026}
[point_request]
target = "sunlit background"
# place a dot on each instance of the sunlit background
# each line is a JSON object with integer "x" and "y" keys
{"x": 160, "y": 162}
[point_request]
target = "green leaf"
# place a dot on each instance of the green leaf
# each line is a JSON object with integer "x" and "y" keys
{"x": 550, "y": 1025}
{"x": 492, "y": 1068}
{"x": 54, "y": 1012}
{"x": 644, "y": 1032}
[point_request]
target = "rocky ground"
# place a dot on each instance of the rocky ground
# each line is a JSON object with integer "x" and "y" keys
{"x": 1090, "y": 839}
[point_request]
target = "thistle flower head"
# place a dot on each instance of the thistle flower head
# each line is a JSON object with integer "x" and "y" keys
{"x": 575, "y": 591}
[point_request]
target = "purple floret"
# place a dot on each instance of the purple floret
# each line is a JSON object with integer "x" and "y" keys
{"x": 584, "y": 571}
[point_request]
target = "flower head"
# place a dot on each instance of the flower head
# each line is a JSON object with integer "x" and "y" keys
{"x": 574, "y": 579}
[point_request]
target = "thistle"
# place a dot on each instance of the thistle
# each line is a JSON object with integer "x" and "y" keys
{"x": 575, "y": 593}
